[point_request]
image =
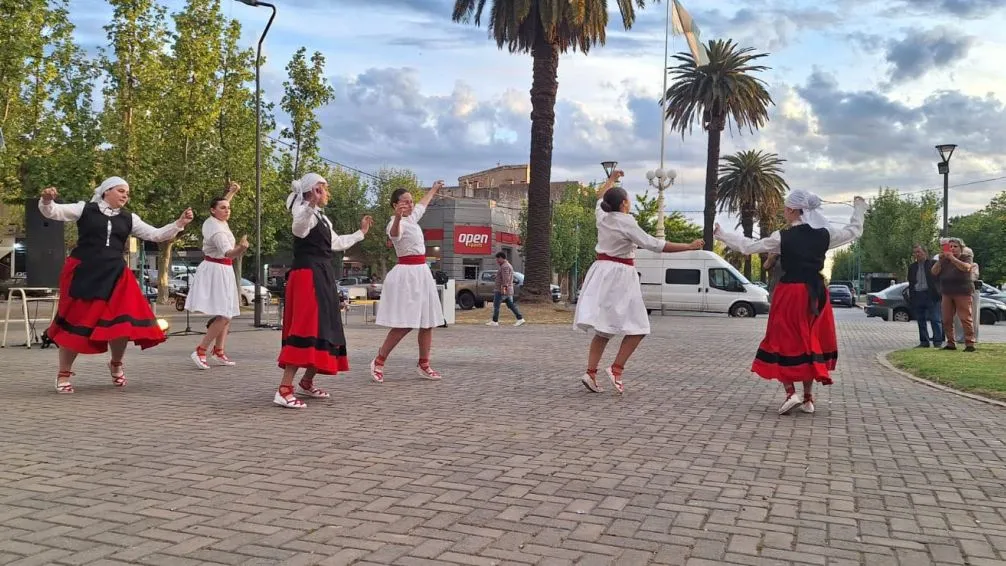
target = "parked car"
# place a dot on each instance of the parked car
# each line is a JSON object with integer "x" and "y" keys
{"x": 697, "y": 281}
{"x": 849, "y": 284}
{"x": 180, "y": 283}
{"x": 841, "y": 295}
{"x": 248, "y": 293}
{"x": 891, "y": 303}
{"x": 990, "y": 292}
{"x": 475, "y": 293}
{"x": 373, "y": 288}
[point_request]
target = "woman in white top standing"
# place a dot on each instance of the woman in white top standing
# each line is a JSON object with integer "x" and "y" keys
{"x": 409, "y": 299}
{"x": 611, "y": 301}
{"x": 214, "y": 289}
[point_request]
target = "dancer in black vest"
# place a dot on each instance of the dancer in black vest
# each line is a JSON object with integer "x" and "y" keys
{"x": 101, "y": 306}
{"x": 800, "y": 343}
{"x": 313, "y": 338}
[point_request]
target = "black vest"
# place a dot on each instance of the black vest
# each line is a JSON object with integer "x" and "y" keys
{"x": 101, "y": 243}
{"x": 316, "y": 247}
{"x": 802, "y": 251}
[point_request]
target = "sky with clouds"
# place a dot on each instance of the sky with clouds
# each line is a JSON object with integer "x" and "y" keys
{"x": 863, "y": 90}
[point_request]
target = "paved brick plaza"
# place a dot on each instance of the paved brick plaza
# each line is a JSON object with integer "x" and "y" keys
{"x": 507, "y": 461}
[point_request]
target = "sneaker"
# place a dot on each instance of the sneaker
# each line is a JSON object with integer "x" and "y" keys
{"x": 807, "y": 407}
{"x": 970, "y": 349}
{"x": 492, "y": 323}
{"x": 950, "y": 347}
{"x": 790, "y": 402}
{"x": 520, "y": 322}
{"x": 200, "y": 361}
{"x": 923, "y": 345}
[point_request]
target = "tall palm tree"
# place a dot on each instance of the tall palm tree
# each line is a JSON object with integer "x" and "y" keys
{"x": 751, "y": 186}
{"x": 545, "y": 29}
{"x": 720, "y": 92}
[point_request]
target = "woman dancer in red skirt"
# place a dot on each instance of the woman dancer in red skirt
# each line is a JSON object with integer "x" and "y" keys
{"x": 313, "y": 338}
{"x": 800, "y": 343}
{"x": 101, "y": 306}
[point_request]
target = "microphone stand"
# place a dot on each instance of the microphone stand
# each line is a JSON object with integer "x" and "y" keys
{"x": 188, "y": 281}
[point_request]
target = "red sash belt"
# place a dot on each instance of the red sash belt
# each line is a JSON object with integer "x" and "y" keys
{"x": 621, "y": 260}
{"x": 412, "y": 260}
{"x": 222, "y": 260}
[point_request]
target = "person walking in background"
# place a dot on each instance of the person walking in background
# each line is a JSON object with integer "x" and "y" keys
{"x": 504, "y": 292}
{"x": 924, "y": 298}
{"x": 968, "y": 255}
{"x": 958, "y": 293}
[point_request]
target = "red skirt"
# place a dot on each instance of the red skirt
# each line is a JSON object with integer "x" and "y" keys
{"x": 312, "y": 325}
{"x": 86, "y": 326}
{"x": 797, "y": 345}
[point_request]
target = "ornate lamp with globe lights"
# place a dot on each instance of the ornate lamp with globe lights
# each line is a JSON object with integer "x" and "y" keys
{"x": 946, "y": 150}
{"x": 661, "y": 179}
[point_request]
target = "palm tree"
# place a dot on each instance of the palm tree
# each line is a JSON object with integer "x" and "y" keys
{"x": 714, "y": 94}
{"x": 751, "y": 186}
{"x": 545, "y": 29}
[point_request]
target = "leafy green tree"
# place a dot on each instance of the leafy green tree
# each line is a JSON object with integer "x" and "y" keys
{"x": 895, "y": 223}
{"x": 677, "y": 228}
{"x": 544, "y": 29}
{"x": 305, "y": 91}
{"x": 985, "y": 233}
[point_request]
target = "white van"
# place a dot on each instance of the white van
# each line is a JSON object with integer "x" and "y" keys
{"x": 698, "y": 281}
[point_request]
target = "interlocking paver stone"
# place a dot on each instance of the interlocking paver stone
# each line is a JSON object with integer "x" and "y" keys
{"x": 508, "y": 460}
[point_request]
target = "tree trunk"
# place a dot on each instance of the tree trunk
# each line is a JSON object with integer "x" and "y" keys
{"x": 163, "y": 270}
{"x": 538, "y": 258}
{"x": 712, "y": 176}
{"x": 747, "y": 224}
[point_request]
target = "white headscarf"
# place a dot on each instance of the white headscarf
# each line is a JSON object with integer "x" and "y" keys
{"x": 810, "y": 204}
{"x": 301, "y": 186}
{"x": 107, "y": 185}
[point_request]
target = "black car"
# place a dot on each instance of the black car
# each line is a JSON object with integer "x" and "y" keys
{"x": 841, "y": 295}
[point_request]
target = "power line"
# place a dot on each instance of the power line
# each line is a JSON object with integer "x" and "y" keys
{"x": 331, "y": 161}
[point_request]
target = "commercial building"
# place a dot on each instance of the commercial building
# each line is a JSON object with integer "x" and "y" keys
{"x": 480, "y": 216}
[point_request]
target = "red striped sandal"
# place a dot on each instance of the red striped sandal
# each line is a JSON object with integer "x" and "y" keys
{"x": 65, "y": 386}
{"x": 284, "y": 397}
{"x": 426, "y": 372}
{"x": 377, "y": 369}
{"x": 118, "y": 374}
{"x": 308, "y": 389}
{"x": 615, "y": 375}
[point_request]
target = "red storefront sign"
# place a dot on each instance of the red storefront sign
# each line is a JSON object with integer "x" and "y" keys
{"x": 473, "y": 240}
{"x": 507, "y": 238}
{"x": 433, "y": 234}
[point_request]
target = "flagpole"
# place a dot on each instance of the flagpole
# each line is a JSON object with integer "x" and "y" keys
{"x": 663, "y": 121}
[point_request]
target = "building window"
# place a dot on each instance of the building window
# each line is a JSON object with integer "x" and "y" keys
{"x": 471, "y": 268}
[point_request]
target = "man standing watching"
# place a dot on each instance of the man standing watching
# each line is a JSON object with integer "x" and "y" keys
{"x": 924, "y": 298}
{"x": 504, "y": 291}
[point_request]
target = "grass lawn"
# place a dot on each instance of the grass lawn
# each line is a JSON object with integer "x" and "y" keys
{"x": 552, "y": 313}
{"x": 982, "y": 372}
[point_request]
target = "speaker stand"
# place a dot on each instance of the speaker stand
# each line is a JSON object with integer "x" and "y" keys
{"x": 188, "y": 328}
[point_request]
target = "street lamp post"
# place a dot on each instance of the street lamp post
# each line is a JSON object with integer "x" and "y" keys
{"x": 946, "y": 150}
{"x": 609, "y": 166}
{"x": 661, "y": 180}
{"x": 258, "y": 162}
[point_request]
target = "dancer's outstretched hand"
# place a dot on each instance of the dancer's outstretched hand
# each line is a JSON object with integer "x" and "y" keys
{"x": 366, "y": 223}
{"x": 716, "y": 229}
{"x": 49, "y": 194}
{"x": 401, "y": 210}
{"x": 185, "y": 218}
{"x": 858, "y": 201}
{"x": 437, "y": 185}
{"x": 244, "y": 242}
{"x": 233, "y": 188}
{"x": 698, "y": 244}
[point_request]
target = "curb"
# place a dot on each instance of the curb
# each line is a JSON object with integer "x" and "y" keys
{"x": 882, "y": 358}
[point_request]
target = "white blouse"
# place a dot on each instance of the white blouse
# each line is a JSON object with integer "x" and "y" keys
{"x": 618, "y": 235}
{"x": 839, "y": 236}
{"x": 306, "y": 217}
{"x": 142, "y": 230}
{"x": 410, "y": 240}
{"x": 217, "y": 238}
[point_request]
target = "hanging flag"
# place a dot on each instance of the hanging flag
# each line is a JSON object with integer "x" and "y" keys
{"x": 683, "y": 24}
